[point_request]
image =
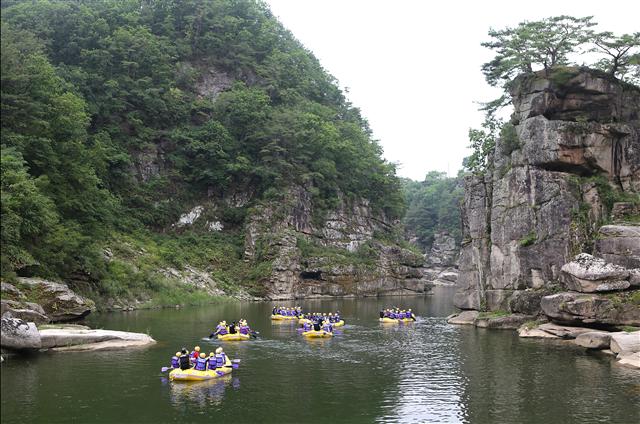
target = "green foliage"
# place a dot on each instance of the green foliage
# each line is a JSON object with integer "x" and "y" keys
{"x": 528, "y": 240}
{"x": 433, "y": 206}
{"x": 110, "y": 127}
{"x": 545, "y": 43}
{"x": 622, "y": 54}
{"x": 483, "y": 143}
{"x": 494, "y": 314}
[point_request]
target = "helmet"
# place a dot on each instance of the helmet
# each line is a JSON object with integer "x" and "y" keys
{"x": 211, "y": 354}
{"x": 197, "y": 349}
{"x": 219, "y": 350}
{"x": 178, "y": 354}
{"x": 202, "y": 355}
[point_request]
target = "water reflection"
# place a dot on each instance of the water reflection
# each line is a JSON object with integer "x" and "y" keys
{"x": 201, "y": 393}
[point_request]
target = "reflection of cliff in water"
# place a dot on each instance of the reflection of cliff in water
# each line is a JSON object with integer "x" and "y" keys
{"x": 513, "y": 380}
{"x": 203, "y": 393}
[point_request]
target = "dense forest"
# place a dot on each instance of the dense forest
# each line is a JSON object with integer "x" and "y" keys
{"x": 91, "y": 89}
{"x": 433, "y": 205}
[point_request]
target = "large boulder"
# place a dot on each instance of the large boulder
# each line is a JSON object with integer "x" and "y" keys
{"x": 625, "y": 342}
{"x": 18, "y": 334}
{"x": 526, "y": 301}
{"x": 588, "y": 274}
{"x": 28, "y": 311}
{"x": 507, "y": 322}
{"x": 570, "y": 307}
{"x": 619, "y": 244}
{"x": 594, "y": 340}
{"x": 59, "y": 302}
{"x": 464, "y": 318}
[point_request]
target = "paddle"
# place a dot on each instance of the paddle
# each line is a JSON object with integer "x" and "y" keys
{"x": 165, "y": 369}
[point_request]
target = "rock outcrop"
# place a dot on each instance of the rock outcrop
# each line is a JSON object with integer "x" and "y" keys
{"x": 583, "y": 308}
{"x": 75, "y": 338}
{"x": 49, "y": 301}
{"x": 588, "y": 274}
{"x": 441, "y": 261}
{"x": 572, "y": 144}
{"x": 347, "y": 252}
{"x": 17, "y": 334}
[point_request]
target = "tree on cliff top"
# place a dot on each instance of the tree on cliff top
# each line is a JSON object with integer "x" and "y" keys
{"x": 622, "y": 56}
{"x": 544, "y": 43}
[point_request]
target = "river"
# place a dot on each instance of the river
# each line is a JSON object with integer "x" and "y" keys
{"x": 425, "y": 372}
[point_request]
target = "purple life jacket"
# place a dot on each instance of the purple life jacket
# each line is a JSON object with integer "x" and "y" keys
{"x": 220, "y": 360}
{"x": 201, "y": 364}
{"x": 244, "y": 330}
{"x": 175, "y": 362}
{"x": 222, "y": 329}
{"x": 212, "y": 362}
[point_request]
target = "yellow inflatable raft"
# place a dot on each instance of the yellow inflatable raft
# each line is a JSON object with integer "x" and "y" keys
{"x": 313, "y": 334}
{"x": 339, "y": 323}
{"x": 194, "y": 375}
{"x": 278, "y": 317}
{"x": 394, "y": 320}
{"x": 233, "y": 337}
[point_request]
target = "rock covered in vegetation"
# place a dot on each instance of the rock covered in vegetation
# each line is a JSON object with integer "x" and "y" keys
{"x": 588, "y": 274}
{"x": 58, "y": 301}
{"x": 572, "y": 307}
{"x": 18, "y": 334}
{"x": 536, "y": 208}
{"x": 351, "y": 252}
{"x": 28, "y": 311}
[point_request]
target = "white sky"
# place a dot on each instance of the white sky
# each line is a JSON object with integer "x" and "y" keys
{"x": 413, "y": 67}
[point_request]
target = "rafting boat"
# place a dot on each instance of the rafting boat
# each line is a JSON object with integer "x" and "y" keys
{"x": 387, "y": 320}
{"x": 234, "y": 337}
{"x": 313, "y": 334}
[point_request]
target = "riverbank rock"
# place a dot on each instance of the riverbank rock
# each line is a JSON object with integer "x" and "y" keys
{"x": 629, "y": 359}
{"x": 28, "y": 311}
{"x": 527, "y": 301}
{"x": 507, "y": 322}
{"x": 535, "y": 333}
{"x": 80, "y": 339}
{"x": 619, "y": 244}
{"x": 464, "y": 318}
{"x": 594, "y": 340}
{"x": 625, "y": 342}
{"x": 613, "y": 309}
{"x": 588, "y": 274}
{"x": 564, "y": 332}
{"x": 58, "y": 301}
{"x": 18, "y": 334}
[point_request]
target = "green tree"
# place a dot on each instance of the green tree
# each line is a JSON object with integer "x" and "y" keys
{"x": 621, "y": 53}
{"x": 534, "y": 45}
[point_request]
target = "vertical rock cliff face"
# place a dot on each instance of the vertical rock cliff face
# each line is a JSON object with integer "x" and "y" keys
{"x": 346, "y": 251}
{"x": 576, "y": 140}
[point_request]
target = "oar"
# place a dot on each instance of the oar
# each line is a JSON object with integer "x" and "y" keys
{"x": 165, "y": 369}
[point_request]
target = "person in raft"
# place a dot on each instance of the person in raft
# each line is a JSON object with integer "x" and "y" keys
{"x": 232, "y": 328}
{"x": 195, "y": 354}
{"x": 175, "y": 360}
{"x": 184, "y": 359}
{"x": 201, "y": 363}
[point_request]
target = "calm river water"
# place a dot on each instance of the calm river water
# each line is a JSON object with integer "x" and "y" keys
{"x": 425, "y": 372}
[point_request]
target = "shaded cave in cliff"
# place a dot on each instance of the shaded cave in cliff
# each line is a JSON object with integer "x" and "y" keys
{"x": 311, "y": 275}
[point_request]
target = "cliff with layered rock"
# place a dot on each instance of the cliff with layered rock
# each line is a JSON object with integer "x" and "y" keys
{"x": 570, "y": 165}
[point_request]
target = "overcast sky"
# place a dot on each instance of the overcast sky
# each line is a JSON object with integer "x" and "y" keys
{"x": 413, "y": 67}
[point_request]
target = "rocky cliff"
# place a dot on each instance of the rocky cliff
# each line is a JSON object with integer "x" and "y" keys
{"x": 349, "y": 250}
{"x": 574, "y": 151}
